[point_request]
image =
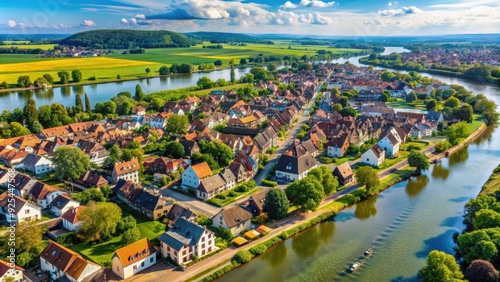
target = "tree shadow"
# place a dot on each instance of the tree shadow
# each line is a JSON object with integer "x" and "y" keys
{"x": 451, "y": 221}
{"x": 436, "y": 243}
{"x": 344, "y": 216}
{"x": 439, "y": 171}
{"x": 405, "y": 279}
{"x": 277, "y": 255}
{"x": 305, "y": 245}
{"x": 459, "y": 156}
{"x": 460, "y": 199}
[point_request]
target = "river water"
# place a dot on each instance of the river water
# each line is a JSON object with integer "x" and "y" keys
{"x": 103, "y": 92}
{"x": 403, "y": 224}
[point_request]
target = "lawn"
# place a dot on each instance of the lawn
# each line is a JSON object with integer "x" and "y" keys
{"x": 103, "y": 252}
{"x": 29, "y": 46}
{"x": 228, "y": 199}
{"x": 46, "y": 215}
{"x": 21, "y": 58}
{"x": 476, "y": 123}
{"x": 493, "y": 183}
{"x": 192, "y": 91}
{"x": 400, "y": 103}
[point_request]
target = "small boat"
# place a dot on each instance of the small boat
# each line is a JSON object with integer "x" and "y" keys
{"x": 368, "y": 252}
{"x": 436, "y": 161}
{"x": 355, "y": 266}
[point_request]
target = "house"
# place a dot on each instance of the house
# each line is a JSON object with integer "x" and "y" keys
{"x": 133, "y": 258}
{"x": 344, "y": 173}
{"x": 36, "y": 164}
{"x": 70, "y": 218}
{"x": 138, "y": 110}
{"x": 42, "y": 194}
{"x": 256, "y": 202}
{"x": 235, "y": 219}
{"x": 177, "y": 212}
{"x": 7, "y": 271}
{"x": 62, "y": 263}
{"x": 228, "y": 177}
{"x": 375, "y": 156}
{"x": 337, "y": 146}
{"x": 390, "y": 143}
{"x": 190, "y": 147}
{"x": 210, "y": 186}
{"x": 420, "y": 130}
{"x": 23, "y": 211}
{"x": 185, "y": 240}
{"x": 158, "y": 121}
{"x": 239, "y": 172}
{"x": 192, "y": 176}
{"x": 295, "y": 168}
{"x": 127, "y": 171}
{"x": 163, "y": 165}
{"x": 22, "y": 185}
{"x": 91, "y": 179}
{"x": 61, "y": 204}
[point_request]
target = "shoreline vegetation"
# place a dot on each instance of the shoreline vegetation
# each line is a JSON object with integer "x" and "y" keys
{"x": 493, "y": 183}
{"x": 331, "y": 206}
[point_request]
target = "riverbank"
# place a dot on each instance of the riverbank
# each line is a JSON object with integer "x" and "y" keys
{"x": 493, "y": 183}
{"x": 329, "y": 207}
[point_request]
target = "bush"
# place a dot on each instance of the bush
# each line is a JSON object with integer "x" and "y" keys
{"x": 242, "y": 257}
{"x": 220, "y": 196}
{"x": 258, "y": 249}
{"x": 412, "y": 147}
{"x": 326, "y": 160}
{"x": 269, "y": 183}
{"x": 442, "y": 146}
{"x": 232, "y": 194}
{"x": 92, "y": 78}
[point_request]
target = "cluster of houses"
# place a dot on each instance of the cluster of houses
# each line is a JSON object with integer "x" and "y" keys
{"x": 452, "y": 57}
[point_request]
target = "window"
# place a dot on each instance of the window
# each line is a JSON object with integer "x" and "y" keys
{"x": 135, "y": 268}
{"x": 27, "y": 211}
{"x": 142, "y": 264}
{"x": 151, "y": 259}
{"x": 117, "y": 268}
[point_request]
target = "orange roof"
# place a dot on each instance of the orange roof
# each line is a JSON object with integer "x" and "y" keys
{"x": 190, "y": 136}
{"x": 263, "y": 229}
{"x": 248, "y": 119}
{"x": 127, "y": 167}
{"x": 202, "y": 170}
{"x": 135, "y": 252}
{"x": 252, "y": 234}
{"x": 72, "y": 213}
{"x": 56, "y": 131}
{"x": 239, "y": 241}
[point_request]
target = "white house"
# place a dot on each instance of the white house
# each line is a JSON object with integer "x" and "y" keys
{"x": 390, "y": 142}
{"x": 42, "y": 194}
{"x": 375, "y": 156}
{"x": 295, "y": 167}
{"x": 157, "y": 121}
{"x": 229, "y": 178}
{"x": 420, "y": 130}
{"x": 36, "y": 164}
{"x": 192, "y": 176}
{"x": 235, "y": 218}
{"x": 127, "y": 171}
{"x": 61, "y": 204}
{"x": 62, "y": 263}
{"x": 7, "y": 271}
{"x": 185, "y": 240}
{"x": 23, "y": 211}
{"x": 70, "y": 218}
{"x": 133, "y": 258}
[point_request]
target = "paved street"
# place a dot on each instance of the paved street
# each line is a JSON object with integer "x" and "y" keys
{"x": 190, "y": 202}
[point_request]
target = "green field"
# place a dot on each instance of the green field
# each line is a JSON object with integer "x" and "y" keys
{"x": 29, "y": 46}
{"x": 134, "y": 65}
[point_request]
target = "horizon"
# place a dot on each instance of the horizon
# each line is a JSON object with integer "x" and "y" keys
{"x": 352, "y": 18}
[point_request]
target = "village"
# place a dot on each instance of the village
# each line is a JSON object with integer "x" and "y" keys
{"x": 333, "y": 118}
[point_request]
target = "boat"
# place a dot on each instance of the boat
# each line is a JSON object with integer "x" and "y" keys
{"x": 355, "y": 266}
{"x": 368, "y": 252}
{"x": 436, "y": 161}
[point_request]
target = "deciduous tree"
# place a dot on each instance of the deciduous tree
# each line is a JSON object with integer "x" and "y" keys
{"x": 99, "y": 221}
{"x": 481, "y": 271}
{"x": 440, "y": 267}
{"x": 174, "y": 150}
{"x": 276, "y": 204}
{"x": 177, "y": 124}
{"x": 63, "y": 77}
{"x": 306, "y": 194}
{"x": 419, "y": 161}
{"x": 70, "y": 163}
{"x": 76, "y": 75}
{"x": 367, "y": 176}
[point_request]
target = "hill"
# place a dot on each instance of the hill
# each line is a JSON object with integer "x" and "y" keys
{"x": 224, "y": 37}
{"x": 128, "y": 39}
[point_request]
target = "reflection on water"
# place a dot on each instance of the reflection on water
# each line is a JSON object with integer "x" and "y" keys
{"x": 416, "y": 184}
{"x": 439, "y": 171}
{"x": 366, "y": 208}
{"x": 326, "y": 231}
{"x": 276, "y": 255}
{"x": 459, "y": 156}
{"x": 65, "y": 91}
{"x": 78, "y": 89}
{"x": 306, "y": 246}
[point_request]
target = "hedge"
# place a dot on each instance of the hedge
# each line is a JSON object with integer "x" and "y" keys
{"x": 269, "y": 183}
{"x": 258, "y": 249}
{"x": 242, "y": 256}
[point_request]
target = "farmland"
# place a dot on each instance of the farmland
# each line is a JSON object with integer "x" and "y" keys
{"x": 29, "y": 46}
{"x": 132, "y": 65}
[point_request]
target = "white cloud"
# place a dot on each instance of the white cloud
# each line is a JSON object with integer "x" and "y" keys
{"x": 289, "y": 5}
{"x": 133, "y": 21}
{"x": 315, "y": 18}
{"x": 11, "y": 23}
{"x": 400, "y": 12}
{"x": 124, "y": 21}
{"x": 140, "y": 16}
{"x": 87, "y": 23}
{"x": 316, "y": 3}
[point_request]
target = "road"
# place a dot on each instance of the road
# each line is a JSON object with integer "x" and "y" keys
{"x": 191, "y": 202}
{"x": 273, "y": 159}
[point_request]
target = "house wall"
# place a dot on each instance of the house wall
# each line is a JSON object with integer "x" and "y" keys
{"x": 48, "y": 198}
{"x": 29, "y": 212}
{"x": 130, "y": 270}
{"x": 46, "y": 266}
{"x": 293, "y": 177}
{"x": 369, "y": 157}
{"x": 335, "y": 152}
{"x": 59, "y": 212}
{"x": 70, "y": 226}
{"x": 130, "y": 176}
{"x": 89, "y": 270}
{"x": 190, "y": 179}
{"x": 18, "y": 276}
{"x": 43, "y": 166}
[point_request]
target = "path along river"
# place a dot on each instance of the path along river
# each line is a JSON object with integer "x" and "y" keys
{"x": 404, "y": 223}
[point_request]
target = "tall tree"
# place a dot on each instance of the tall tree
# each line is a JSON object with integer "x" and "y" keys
{"x": 88, "y": 108}
{"x": 418, "y": 160}
{"x": 174, "y": 150}
{"x": 70, "y": 163}
{"x": 138, "y": 93}
{"x": 306, "y": 194}
{"x": 29, "y": 242}
{"x": 177, "y": 124}
{"x": 457, "y": 132}
{"x": 440, "y": 267}
{"x": 99, "y": 221}
{"x": 76, "y": 75}
{"x": 63, "y": 77}
{"x": 30, "y": 113}
{"x": 276, "y": 204}
{"x": 131, "y": 235}
{"x": 367, "y": 176}
{"x": 78, "y": 103}
{"x": 481, "y": 271}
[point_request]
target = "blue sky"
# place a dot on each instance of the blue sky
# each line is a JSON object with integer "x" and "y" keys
{"x": 320, "y": 17}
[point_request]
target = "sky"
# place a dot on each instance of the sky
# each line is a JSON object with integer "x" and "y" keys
{"x": 306, "y": 17}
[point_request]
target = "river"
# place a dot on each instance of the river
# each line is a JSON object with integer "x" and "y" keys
{"x": 403, "y": 224}
{"x": 103, "y": 92}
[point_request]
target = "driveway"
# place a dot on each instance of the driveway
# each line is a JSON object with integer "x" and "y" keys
{"x": 190, "y": 202}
